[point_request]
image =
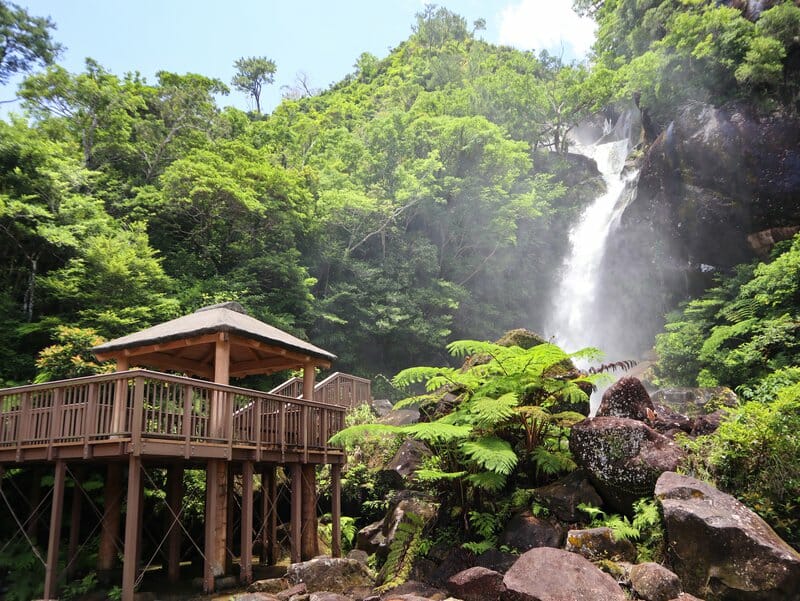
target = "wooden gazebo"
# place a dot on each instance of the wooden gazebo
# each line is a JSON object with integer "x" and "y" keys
{"x": 140, "y": 417}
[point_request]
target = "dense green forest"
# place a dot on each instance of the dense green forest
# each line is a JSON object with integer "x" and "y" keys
{"x": 425, "y": 197}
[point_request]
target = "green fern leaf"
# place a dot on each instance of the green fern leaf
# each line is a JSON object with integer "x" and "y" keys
{"x": 491, "y": 453}
{"x": 489, "y": 411}
{"x": 436, "y": 431}
{"x": 355, "y": 434}
{"x": 490, "y": 481}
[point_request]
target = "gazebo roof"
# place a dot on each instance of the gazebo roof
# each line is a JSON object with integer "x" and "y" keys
{"x": 186, "y": 344}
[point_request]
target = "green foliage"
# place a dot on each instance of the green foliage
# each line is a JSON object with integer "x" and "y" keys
{"x": 24, "y": 41}
{"x": 252, "y": 74}
{"x": 347, "y": 527}
{"x": 22, "y": 570}
{"x": 646, "y": 529}
{"x": 738, "y": 332}
{"x": 70, "y": 357}
{"x": 755, "y": 453}
{"x": 404, "y": 549}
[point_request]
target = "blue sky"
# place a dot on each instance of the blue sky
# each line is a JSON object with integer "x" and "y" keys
{"x": 319, "y": 38}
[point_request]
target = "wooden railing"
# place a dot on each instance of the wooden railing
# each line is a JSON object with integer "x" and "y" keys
{"x": 141, "y": 405}
{"x": 337, "y": 389}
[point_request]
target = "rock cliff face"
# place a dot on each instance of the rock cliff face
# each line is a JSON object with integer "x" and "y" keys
{"x": 713, "y": 178}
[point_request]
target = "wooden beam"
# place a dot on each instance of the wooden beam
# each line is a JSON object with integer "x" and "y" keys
{"x": 296, "y": 513}
{"x": 130, "y": 561}
{"x": 230, "y": 518}
{"x": 269, "y": 512}
{"x": 51, "y": 568}
{"x": 153, "y": 348}
{"x": 112, "y": 512}
{"x": 336, "y": 510}
{"x": 309, "y": 545}
{"x": 167, "y": 361}
{"x": 246, "y": 553}
{"x": 272, "y": 349}
{"x": 258, "y": 365}
{"x": 175, "y": 503}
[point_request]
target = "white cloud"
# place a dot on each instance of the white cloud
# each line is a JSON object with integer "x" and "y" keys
{"x": 546, "y": 25}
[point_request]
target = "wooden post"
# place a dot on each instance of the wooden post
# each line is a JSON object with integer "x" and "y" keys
{"x": 51, "y": 569}
{"x": 132, "y": 526}
{"x": 309, "y": 546}
{"x": 309, "y": 375}
{"x": 296, "y": 514}
{"x": 120, "y": 408}
{"x": 112, "y": 512}
{"x": 336, "y": 509}
{"x": 75, "y": 524}
{"x": 230, "y": 518}
{"x": 246, "y": 553}
{"x": 269, "y": 512}
{"x": 216, "y": 495}
{"x": 175, "y": 503}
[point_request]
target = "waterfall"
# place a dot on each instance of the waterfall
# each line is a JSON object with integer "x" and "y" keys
{"x": 573, "y": 316}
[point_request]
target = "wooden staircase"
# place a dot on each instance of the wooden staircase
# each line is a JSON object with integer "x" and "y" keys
{"x": 338, "y": 388}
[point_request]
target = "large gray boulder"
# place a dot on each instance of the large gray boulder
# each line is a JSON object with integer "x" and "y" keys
{"x": 627, "y": 397}
{"x": 563, "y": 496}
{"x": 693, "y": 402}
{"x": 547, "y": 574}
{"x": 331, "y": 574}
{"x": 476, "y": 584}
{"x": 654, "y": 582}
{"x": 720, "y": 549}
{"x": 599, "y": 543}
{"x": 526, "y": 531}
{"x": 623, "y": 458}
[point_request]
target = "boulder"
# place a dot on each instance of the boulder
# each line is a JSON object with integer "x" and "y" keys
{"x": 626, "y": 398}
{"x": 370, "y": 538}
{"x": 707, "y": 424}
{"x": 623, "y": 458}
{"x": 563, "y": 496}
{"x": 327, "y": 596}
{"x": 496, "y": 560}
{"x": 477, "y": 584}
{"x": 297, "y": 590}
{"x": 722, "y": 550}
{"x": 693, "y": 402}
{"x": 331, "y": 574}
{"x": 408, "y": 457}
{"x": 400, "y": 417}
{"x": 255, "y": 597}
{"x": 456, "y": 560}
{"x": 413, "y": 589}
{"x": 359, "y": 555}
{"x": 525, "y": 531}
{"x": 404, "y": 502}
{"x": 654, "y": 582}
{"x": 381, "y": 406}
{"x": 270, "y": 585}
{"x": 599, "y": 543}
{"x": 547, "y": 574}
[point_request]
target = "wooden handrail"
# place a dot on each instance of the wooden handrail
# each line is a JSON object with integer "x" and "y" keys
{"x": 157, "y": 406}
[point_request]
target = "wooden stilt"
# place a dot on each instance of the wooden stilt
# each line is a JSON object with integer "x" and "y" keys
{"x": 296, "y": 515}
{"x": 132, "y": 526}
{"x": 336, "y": 509}
{"x": 216, "y": 512}
{"x": 246, "y": 553}
{"x": 112, "y": 512}
{"x": 309, "y": 545}
{"x": 51, "y": 569}
{"x": 75, "y": 524}
{"x": 230, "y": 519}
{"x": 174, "y": 501}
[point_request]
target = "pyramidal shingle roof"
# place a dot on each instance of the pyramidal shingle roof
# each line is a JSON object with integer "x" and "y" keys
{"x": 225, "y": 317}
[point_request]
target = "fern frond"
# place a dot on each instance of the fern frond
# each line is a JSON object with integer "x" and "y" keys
{"x": 491, "y": 453}
{"x": 431, "y": 475}
{"x": 479, "y": 547}
{"x": 489, "y": 411}
{"x": 436, "y": 431}
{"x": 552, "y": 462}
{"x": 567, "y": 419}
{"x": 414, "y": 401}
{"x": 489, "y": 481}
{"x": 414, "y": 375}
{"x": 462, "y": 348}
{"x": 357, "y": 433}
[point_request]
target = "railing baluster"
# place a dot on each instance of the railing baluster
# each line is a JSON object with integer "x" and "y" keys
{"x": 136, "y": 423}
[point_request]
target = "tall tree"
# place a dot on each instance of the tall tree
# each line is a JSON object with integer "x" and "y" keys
{"x": 252, "y": 74}
{"x": 24, "y": 41}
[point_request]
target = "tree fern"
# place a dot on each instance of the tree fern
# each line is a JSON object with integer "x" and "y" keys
{"x": 489, "y": 481}
{"x": 436, "y": 431}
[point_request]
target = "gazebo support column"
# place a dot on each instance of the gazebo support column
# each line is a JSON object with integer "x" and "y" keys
{"x": 296, "y": 515}
{"x": 112, "y": 493}
{"x": 132, "y": 527}
{"x": 246, "y": 554}
{"x": 309, "y": 546}
{"x": 120, "y": 397}
{"x": 230, "y": 519}
{"x": 34, "y": 498}
{"x": 269, "y": 516}
{"x": 216, "y": 512}
{"x": 51, "y": 568}
{"x": 336, "y": 510}
{"x": 174, "y": 501}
